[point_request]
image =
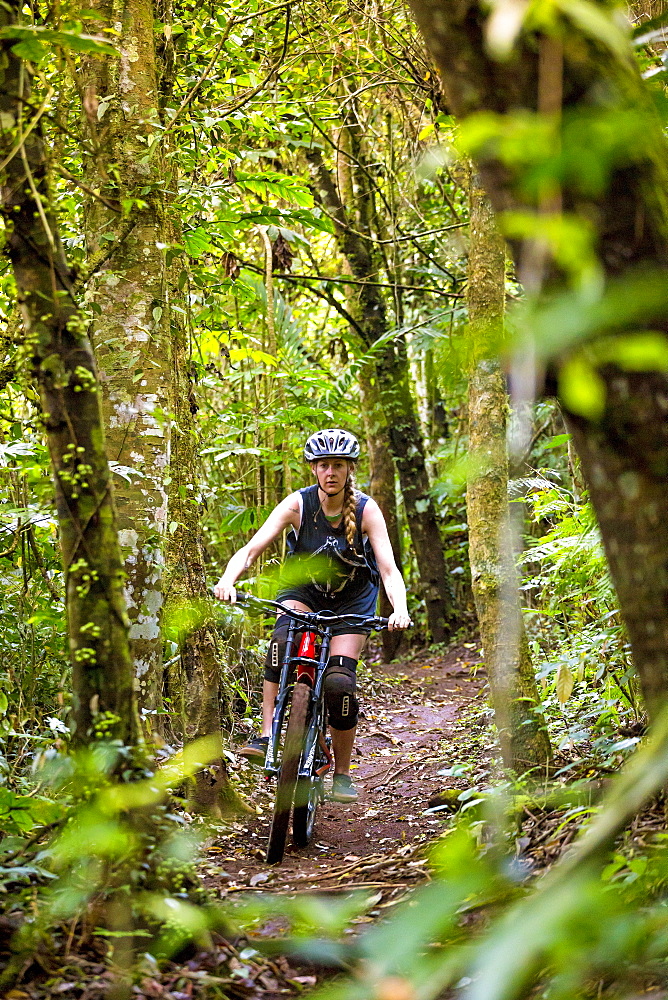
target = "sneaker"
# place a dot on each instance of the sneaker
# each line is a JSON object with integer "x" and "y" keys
{"x": 255, "y": 750}
{"x": 343, "y": 789}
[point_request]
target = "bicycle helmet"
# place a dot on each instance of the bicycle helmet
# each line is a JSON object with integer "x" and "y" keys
{"x": 332, "y": 443}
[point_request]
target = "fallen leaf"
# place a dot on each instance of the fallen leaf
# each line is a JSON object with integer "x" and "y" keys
{"x": 258, "y": 878}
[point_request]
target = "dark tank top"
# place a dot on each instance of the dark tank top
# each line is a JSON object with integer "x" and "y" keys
{"x": 336, "y": 567}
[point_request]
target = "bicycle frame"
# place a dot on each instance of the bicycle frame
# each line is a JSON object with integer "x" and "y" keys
{"x": 300, "y": 764}
{"x": 272, "y": 761}
{"x": 320, "y": 623}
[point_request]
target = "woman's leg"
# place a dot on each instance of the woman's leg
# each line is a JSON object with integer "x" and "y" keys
{"x": 349, "y": 644}
{"x": 343, "y": 740}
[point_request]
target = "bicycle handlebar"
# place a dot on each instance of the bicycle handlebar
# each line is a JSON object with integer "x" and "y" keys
{"x": 316, "y": 618}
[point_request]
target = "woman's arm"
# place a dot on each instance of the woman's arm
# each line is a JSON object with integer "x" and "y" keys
{"x": 373, "y": 525}
{"x": 286, "y": 514}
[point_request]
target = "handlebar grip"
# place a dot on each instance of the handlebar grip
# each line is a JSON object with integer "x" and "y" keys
{"x": 243, "y": 597}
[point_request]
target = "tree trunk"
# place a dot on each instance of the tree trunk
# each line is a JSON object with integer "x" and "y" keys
{"x": 131, "y": 329}
{"x": 63, "y": 367}
{"x": 197, "y": 688}
{"x": 382, "y": 488}
{"x": 625, "y": 462}
{"x": 522, "y": 733}
{"x": 624, "y": 448}
{"x": 397, "y": 401}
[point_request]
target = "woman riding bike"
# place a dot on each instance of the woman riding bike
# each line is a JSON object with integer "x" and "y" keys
{"x": 346, "y": 533}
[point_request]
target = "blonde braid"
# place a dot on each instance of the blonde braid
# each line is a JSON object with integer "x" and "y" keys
{"x": 350, "y": 508}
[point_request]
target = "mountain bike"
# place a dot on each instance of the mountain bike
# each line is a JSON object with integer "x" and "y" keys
{"x": 299, "y": 755}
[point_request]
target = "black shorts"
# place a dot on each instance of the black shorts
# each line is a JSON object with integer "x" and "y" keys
{"x": 362, "y": 603}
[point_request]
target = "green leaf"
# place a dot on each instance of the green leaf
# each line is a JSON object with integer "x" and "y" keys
{"x": 82, "y": 43}
{"x": 638, "y": 300}
{"x": 103, "y": 932}
{"x": 243, "y": 354}
{"x": 238, "y": 519}
{"x": 581, "y": 388}
{"x": 31, "y": 41}
{"x": 641, "y": 352}
{"x": 303, "y": 198}
{"x": 565, "y": 682}
{"x": 597, "y": 23}
{"x": 425, "y": 132}
{"x": 197, "y": 242}
{"x": 557, "y": 441}
{"x": 30, "y": 49}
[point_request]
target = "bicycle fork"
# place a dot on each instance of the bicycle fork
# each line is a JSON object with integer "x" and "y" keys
{"x": 272, "y": 760}
{"x": 316, "y": 740}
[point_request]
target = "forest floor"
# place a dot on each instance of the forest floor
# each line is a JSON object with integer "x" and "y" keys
{"x": 422, "y": 718}
{"x": 419, "y": 716}
{"x": 416, "y": 720}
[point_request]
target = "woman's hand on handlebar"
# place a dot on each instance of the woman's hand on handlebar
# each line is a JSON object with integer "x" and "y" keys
{"x": 399, "y": 620}
{"x": 225, "y": 591}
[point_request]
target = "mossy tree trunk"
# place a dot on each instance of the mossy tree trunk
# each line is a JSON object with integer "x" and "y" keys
{"x": 381, "y": 486}
{"x": 382, "y": 473}
{"x": 392, "y": 368}
{"x": 149, "y": 396}
{"x": 522, "y": 733}
{"x": 63, "y": 368}
{"x": 127, "y": 295}
{"x": 625, "y": 463}
{"x": 200, "y": 697}
{"x": 624, "y": 447}
{"x": 198, "y": 682}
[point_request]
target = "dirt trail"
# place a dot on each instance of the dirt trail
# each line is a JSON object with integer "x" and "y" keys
{"x": 408, "y": 732}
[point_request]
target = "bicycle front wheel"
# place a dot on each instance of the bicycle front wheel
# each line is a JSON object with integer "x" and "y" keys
{"x": 287, "y": 776}
{"x": 307, "y": 799}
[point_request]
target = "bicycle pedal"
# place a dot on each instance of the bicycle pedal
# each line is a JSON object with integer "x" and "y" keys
{"x": 319, "y": 771}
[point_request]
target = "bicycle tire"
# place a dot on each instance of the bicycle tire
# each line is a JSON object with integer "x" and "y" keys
{"x": 307, "y": 799}
{"x": 286, "y": 782}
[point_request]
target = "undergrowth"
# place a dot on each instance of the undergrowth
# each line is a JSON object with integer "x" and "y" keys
{"x": 581, "y": 655}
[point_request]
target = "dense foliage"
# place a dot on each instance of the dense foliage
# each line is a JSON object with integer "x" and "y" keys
{"x": 275, "y": 349}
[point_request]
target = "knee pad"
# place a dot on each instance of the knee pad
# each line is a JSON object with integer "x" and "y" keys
{"x": 276, "y": 651}
{"x": 340, "y": 685}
